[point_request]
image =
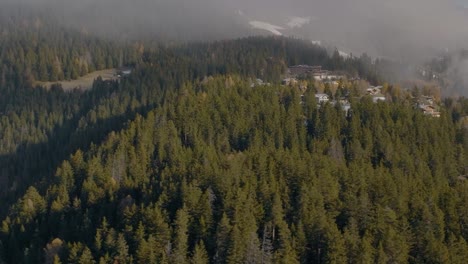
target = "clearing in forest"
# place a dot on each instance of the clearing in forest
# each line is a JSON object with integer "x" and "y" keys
{"x": 84, "y": 82}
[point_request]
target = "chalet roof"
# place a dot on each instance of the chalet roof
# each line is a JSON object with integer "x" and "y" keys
{"x": 321, "y": 95}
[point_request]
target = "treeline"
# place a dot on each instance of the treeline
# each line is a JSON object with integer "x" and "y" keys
{"x": 266, "y": 58}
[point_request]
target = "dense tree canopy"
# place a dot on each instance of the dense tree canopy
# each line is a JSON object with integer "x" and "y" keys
{"x": 184, "y": 161}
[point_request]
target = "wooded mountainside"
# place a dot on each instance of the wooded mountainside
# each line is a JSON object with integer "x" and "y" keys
{"x": 35, "y": 48}
{"x": 183, "y": 161}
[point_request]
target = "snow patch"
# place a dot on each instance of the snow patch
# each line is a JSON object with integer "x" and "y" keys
{"x": 298, "y": 22}
{"x": 267, "y": 26}
{"x": 317, "y": 42}
{"x": 343, "y": 54}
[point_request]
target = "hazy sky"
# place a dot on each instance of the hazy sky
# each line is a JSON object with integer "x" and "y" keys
{"x": 393, "y": 28}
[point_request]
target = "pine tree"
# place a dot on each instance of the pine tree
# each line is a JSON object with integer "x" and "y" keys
{"x": 122, "y": 250}
{"x": 366, "y": 250}
{"x": 179, "y": 254}
{"x": 222, "y": 239}
{"x": 86, "y": 257}
{"x": 199, "y": 256}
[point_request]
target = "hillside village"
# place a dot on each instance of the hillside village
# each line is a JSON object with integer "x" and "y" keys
{"x": 336, "y": 87}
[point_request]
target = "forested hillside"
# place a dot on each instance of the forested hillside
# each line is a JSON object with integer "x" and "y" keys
{"x": 183, "y": 161}
{"x": 34, "y": 47}
{"x": 225, "y": 172}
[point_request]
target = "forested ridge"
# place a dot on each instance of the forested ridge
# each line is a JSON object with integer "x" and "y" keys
{"x": 183, "y": 161}
{"x": 35, "y": 47}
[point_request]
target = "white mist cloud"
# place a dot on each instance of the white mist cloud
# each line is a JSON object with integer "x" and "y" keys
{"x": 408, "y": 29}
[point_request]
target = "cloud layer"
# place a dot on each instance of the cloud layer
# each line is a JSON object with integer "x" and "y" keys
{"x": 408, "y": 29}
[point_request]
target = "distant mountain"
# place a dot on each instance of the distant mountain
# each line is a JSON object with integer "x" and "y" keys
{"x": 294, "y": 26}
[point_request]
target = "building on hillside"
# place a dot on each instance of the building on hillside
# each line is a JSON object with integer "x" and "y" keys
{"x": 322, "y": 98}
{"x": 346, "y": 107}
{"x": 334, "y": 83}
{"x": 429, "y": 110}
{"x": 343, "y": 100}
{"x": 427, "y": 105}
{"x": 303, "y": 70}
{"x": 334, "y": 76}
{"x": 317, "y": 76}
{"x": 320, "y": 75}
{"x": 374, "y": 90}
{"x": 123, "y": 72}
{"x": 378, "y": 97}
{"x": 259, "y": 82}
{"x": 313, "y": 71}
{"x": 427, "y": 100}
{"x": 344, "y": 104}
{"x": 303, "y": 87}
{"x": 464, "y": 122}
{"x": 289, "y": 81}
